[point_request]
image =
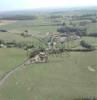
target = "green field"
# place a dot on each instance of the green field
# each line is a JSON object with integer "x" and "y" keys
{"x": 9, "y": 58}
{"x": 61, "y": 78}
{"x": 65, "y": 77}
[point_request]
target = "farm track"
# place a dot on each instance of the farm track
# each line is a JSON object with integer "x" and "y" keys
{"x": 9, "y": 73}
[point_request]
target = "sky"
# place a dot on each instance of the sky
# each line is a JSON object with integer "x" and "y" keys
{"x": 10, "y": 5}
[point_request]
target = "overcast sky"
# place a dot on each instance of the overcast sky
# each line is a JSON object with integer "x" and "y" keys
{"x": 8, "y": 5}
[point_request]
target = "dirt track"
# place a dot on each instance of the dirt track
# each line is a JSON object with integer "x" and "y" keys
{"x": 9, "y": 73}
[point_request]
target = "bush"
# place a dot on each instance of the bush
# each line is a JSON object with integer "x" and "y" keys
{"x": 93, "y": 20}
{"x": 3, "y": 30}
{"x": 2, "y": 42}
{"x": 87, "y": 45}
{"x": 62, "y": 30}
{"x": 93, "y": 34}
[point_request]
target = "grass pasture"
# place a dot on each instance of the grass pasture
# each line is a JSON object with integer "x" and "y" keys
{"x": 62, "y": 78}
{"x": 9, "y": 58}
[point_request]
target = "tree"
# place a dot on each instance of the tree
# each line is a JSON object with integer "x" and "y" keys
{"x": 62, "y": 29}
{"x": 94, "y": 20}
{"x": 93, "y": 34}
{"x": 63, "y": 24}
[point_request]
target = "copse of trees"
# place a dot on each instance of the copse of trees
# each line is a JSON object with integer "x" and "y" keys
{"x": 84, "y": 16}
{"x": 3, "y": 30}
{"x": 94, "y": 20}
{"x": 77, "y": 31}
{"x": 83, "y": 23}
{"x": 93, "y": 34}
{"x": 2, "y": 42}
{"x": 14, "y": 44}
{"x": 87, "y": 45}
{"x": 19, "y": 17}
{"x": 81, "y": 32}
{"x": 55, "y": 16}
{"x": 62, "y": 29}
{"x": 28, "y": 47}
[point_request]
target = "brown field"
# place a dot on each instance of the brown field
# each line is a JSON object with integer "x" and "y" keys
{"x": 4, "y": 22}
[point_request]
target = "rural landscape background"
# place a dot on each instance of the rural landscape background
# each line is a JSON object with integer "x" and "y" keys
{"x": 70, "y": 76}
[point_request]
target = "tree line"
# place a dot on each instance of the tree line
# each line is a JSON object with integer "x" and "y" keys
{"x": 19, "y": 17}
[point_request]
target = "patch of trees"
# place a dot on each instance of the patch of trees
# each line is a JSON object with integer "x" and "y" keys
{"x": 11, "y": 44}
{"x": 87, "y": 45}
{"x": 55, "y": 16}
{"x": 92, "y": 34}
{"x": 8, "y": 44}
{"x": 3, "y": 30}
{"x": 26, "y": 34}
{"x": 78, "y": 50}
{"x": 62, "y": 30}
{"x": 14, "y": 44}
{"x": 2, "y": 42}
{"x": 77, "y": 31}
{"x": 94, "y": 20}
{"x": 83, "y": 23}
{"x": 88, "y": 15}
{"x": 84, "y": 17}
{"x": 28, "y": 47}
{"x": 19, "y": 17}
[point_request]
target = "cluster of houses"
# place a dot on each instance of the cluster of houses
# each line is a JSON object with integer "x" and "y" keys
{"x": 54, "y": 38}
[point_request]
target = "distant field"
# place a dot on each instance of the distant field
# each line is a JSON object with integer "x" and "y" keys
{"x": 5, "y": 22}
{"x": 15, "y": 29}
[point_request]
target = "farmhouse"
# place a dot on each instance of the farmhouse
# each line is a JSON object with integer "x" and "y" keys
{"x": 3, "y": 46}
{"x": 38, "y": 55}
